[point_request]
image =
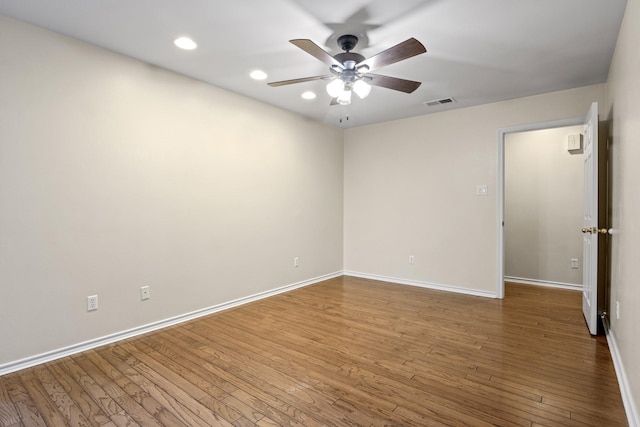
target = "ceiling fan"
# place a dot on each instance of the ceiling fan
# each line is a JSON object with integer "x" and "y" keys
{"x": 350, "y": 71}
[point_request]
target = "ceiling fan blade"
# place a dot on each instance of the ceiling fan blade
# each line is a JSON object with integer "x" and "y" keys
{"x": 302, "y": 80}
{"x": 394, "y": 83}
{"x": 404, "y": 50}
{"x": 316, "y": 51}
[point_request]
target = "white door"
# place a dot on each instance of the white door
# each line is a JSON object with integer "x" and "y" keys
{"x": 590, "y": 224}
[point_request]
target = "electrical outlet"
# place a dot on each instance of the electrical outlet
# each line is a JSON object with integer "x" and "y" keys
{"x": 145, "y": 293}
{"x": 574, "y": 263}
{"x": 296, "y": 262}
{"x": 412, "y": 259}
{"x": 92, "y": 302}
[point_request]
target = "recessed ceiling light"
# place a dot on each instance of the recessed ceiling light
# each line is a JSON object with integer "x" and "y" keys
{"x": 258, "y": 75}
{"x": 308, "y": 95}
{"x": 185, "y": 43}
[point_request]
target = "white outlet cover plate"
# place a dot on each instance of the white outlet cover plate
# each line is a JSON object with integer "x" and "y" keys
{"x": 92, "y": 302}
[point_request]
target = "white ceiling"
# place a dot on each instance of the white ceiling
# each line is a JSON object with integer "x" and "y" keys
{"x": 478, "y": 51}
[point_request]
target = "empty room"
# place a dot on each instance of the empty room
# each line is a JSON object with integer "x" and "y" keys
{"x": 299, "y": 213}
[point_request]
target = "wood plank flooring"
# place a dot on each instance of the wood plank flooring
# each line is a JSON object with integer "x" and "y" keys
{"x": 346, "y": 351}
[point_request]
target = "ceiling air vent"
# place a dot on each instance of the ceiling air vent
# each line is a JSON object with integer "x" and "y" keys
{"x": 439, "y": 102}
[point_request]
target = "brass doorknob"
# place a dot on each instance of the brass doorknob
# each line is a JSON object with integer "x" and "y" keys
{"x": 595, "y": 230}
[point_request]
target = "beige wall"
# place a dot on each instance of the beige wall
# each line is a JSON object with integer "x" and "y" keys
{"x": 116, "y": 174}
{"x": 410, "y": 190}
{"x": 543, "y": 206}
{"x": 623, "y": 102}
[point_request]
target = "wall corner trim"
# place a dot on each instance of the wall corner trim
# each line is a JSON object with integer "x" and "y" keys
{"x": 633, "y": 416}
{"x": 108, "y": 339}
{"x": 421, "y": 284}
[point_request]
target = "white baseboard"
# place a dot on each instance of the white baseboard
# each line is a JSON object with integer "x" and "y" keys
{"x": 536, "y": 282}
{"x": 633, "y": 416}
{"x": 97, "y": 342}
{"x": 421, "y": 284}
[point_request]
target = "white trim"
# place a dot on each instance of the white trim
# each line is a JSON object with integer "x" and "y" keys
{"x": 421, "y": 284}
{"x": 108, "y": 339}
{"x": 500, "y": 216}
{"x": 545, "y": 283}
{"x": 633, "y": 416}
{"x": 502, "y": 132}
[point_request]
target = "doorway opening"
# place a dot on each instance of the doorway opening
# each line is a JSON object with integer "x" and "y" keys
{"x": 504, "y": 135}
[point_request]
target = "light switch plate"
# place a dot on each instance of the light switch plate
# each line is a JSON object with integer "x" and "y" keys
{"x": 482, "y": 190}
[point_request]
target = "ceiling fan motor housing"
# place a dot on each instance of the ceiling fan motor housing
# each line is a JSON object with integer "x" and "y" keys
{"x": 349, "y": 56}
{"x": 347, "y": 42}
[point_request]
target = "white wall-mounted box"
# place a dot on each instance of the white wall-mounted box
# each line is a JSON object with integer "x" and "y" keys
{"x": 574, "y": 142}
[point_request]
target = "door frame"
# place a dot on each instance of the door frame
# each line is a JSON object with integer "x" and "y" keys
{"x": 502, "y": 133}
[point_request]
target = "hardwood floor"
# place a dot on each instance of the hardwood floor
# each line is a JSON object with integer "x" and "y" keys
{"x": 346, "y": 351}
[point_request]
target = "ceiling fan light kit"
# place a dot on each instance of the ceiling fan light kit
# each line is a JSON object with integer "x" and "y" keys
{"x": 344, "y": 98}
{"x": 349, "y": 70}
{"x": 361, "y": 88}
{"x": 335, "y": 88}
